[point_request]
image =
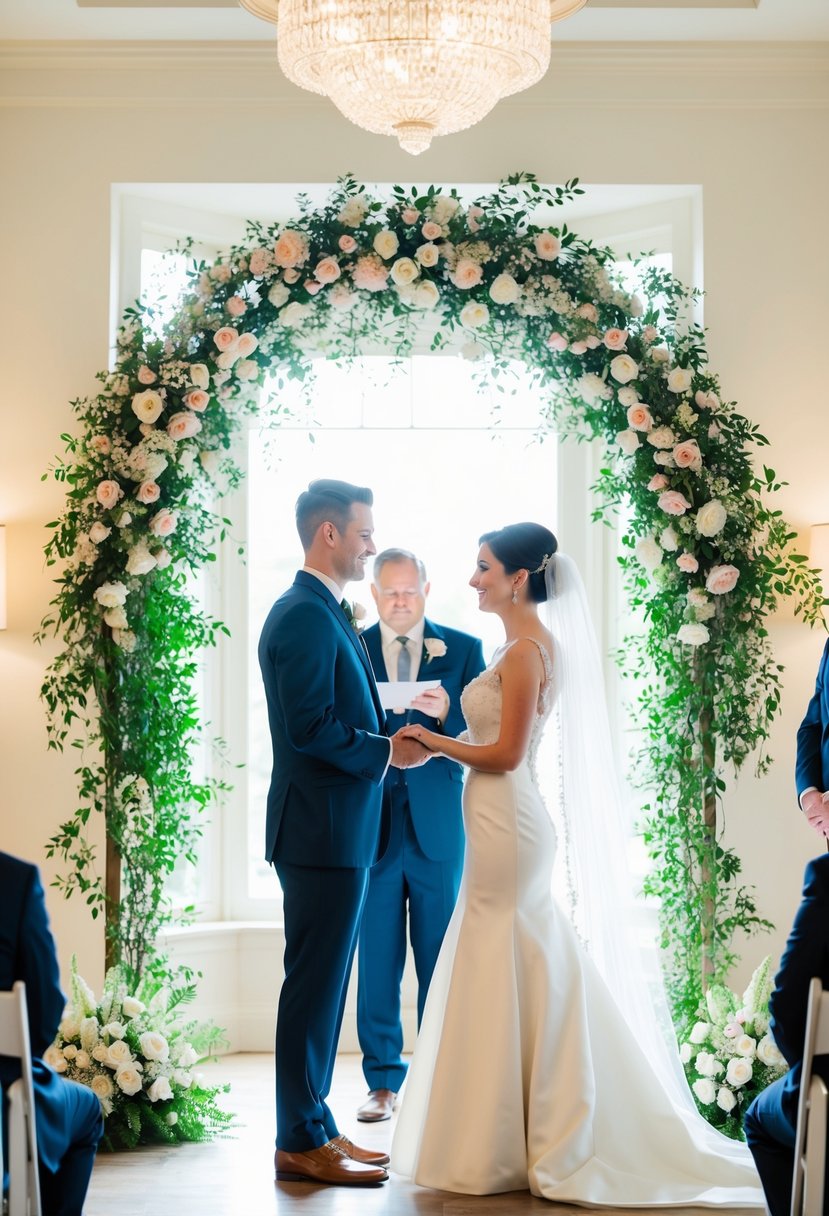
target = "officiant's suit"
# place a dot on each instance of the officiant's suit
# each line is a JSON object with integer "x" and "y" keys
{"x": 422, "y": 863}
{"x": 771, "y": 1119}
{"x": 67, "y": 1115}
{"x": 330, "y": 754}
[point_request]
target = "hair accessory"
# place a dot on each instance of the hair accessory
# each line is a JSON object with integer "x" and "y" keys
{"x": 545, "y": 561}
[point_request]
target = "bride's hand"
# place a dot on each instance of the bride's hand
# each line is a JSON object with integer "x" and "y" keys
{"x": 428, "y": 738}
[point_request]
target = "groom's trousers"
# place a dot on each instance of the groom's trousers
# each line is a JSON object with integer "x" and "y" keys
{"x": 322, "y": 910}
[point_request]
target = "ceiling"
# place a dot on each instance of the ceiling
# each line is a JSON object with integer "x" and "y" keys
{"x": 600, "y": 21}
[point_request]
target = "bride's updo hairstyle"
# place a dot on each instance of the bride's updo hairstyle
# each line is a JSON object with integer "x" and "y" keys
{"x": 524, "y": 547}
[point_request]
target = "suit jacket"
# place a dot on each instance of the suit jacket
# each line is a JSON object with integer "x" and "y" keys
{"x": 812, "y": 765}
{"x": 806, "y": 955}
{"x": 328, "y": 731}
{"x": 27, "y": 952}
{"x": 435, "y": 788}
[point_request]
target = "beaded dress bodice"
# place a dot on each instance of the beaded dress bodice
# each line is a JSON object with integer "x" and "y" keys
{"x": 481, "y": 702}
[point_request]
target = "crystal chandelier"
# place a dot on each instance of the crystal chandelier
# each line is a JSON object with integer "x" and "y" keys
{"x": 413, "y": 68}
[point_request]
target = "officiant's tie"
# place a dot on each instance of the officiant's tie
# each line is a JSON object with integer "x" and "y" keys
{"x": 404, "y": 660}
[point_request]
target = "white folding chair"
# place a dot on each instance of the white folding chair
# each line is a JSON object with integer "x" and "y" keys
{"x": 810, "y": 1141}
{"x": 24, "y": 1185}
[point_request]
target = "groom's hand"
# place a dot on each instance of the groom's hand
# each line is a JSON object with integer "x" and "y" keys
{"x": 816, "y": 809}
{"x": 407, "y": 753}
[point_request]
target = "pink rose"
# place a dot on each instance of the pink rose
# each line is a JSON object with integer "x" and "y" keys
{"x": 473, "y": 214}
{"x": 688, "y": 456}
{"x": 220, "y": 273}
{"x": 108, "y": 493}
{"x": 235, "y": 306}
{"x": 588, "y": 311}
{"x": 260, "y": 260}
{"x": 592, "y": 342}
{"x": 148, "y": 491}
{"x": 721, "y": 579}
{"x": 291, "y": 249}
{"x": 370, "y": 274}
{"x": 687, "y": 563}
{"x": 427, "y": 255}
{"x": 615, "y": 339}
{"x": 578, "y": 348}
{"x": 431, "y": 230}
{"x": 547, "y": 246}
{"x": 184, "y": 425}
{"x": 673, "y": 503}
{"x": 164, "y": 522}
{"x": 101, "y": 444}
{"x": 225, "y": 337}
{"x": 467, "y": 274}
{"x": 291, "y": 276}
{"x": 639, "y": 417}
{"x": 312, "y": 286}
{"x": 247, "y": 344}
{"x": 146, "y": 375}
{"x": 247, "y": 369}
{"x": 649, "y": 334}
{"x": 327, "y": 271}
{"x": 347, "y": 243}
{"x": 658, "y": 482}
{"x": 410, "y": 215}
{"x": 197, "y": 399}
{"x": 556, "y": 341}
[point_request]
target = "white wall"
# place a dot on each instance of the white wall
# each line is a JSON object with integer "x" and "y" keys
{"x": 746, "y": 123}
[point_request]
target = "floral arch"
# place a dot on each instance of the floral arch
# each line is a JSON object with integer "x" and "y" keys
{"x": 706, "y": 559}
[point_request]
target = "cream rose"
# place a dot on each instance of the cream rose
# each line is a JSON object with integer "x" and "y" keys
{"x": 102, "y": 1086}
{"x": 426, "y": 295}
{"x": 118, "y": 1054}
{"x": 745, "y": 1045}
{"x": 672, "y": 502}
{"x": 693, "y": 634}
{"x": 55, "y": 1059}
{"x": 707, "y": 400}
{"x": 128, "y": 1080}
{"x": 111, "y": 595}
{"x": 427, "y": 255}
{"x": 547, "y": 246}
{"x": 628, "y": 441}
{"x": 687, "y": 563}
{"x": 711, "y": 518}
{"x": 404, "y": 271}
{"x": 768, "y": 1053}
{"x": 679, "y": 379}
{"x": 247, "y": 369}
{"x": 628, "y": 396}
{"x": 327, "y": 270}
{"x": 278, "y": 295}
{"x": 662, "y": 437}
{"x": 184, "y": 425}
{"x": 739, "y": 1071}
{"x": 685, "y": 1053}
{"x": 354, "y": 211}
{"x": 474, "y": 315}
{"x": 82, "y": 1059}
{"x": 386, "y": 244}
{"x": 291, "y": 249}
{"x": 160, "y": 1090}
{"x": 504, "y": 289}
{"x": 705, "y": 1090}
{"x": 623, "y": 369}
{"x": 98, "y": 532}
{"x": 467, "y": 274}
{"x": 187, "y": 1055}
{"x": 639, "y": 417}
{"x": 700, "y": 1032}
{"x": 199, "y": 375}
{"x": 154, "y": 1046}
{"x": 164, "y": 522}
{"x": 163, "y": 559}
{"x": 721, "y": 579}
{"x": 725, "y": 1098}
{"x": 592, "y": 388}
{"x": 225, "y": 337}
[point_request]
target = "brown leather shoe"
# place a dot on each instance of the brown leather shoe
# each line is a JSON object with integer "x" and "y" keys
{"x": 379, "y": 1106}
{"x": 329, "y": 1166}
{"x": 366, "y": 1155}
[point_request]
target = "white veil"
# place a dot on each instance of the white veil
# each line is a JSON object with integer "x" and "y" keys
{"x": 596, "y": 842}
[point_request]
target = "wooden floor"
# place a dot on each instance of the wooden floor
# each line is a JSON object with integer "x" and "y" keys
{"x": 234, "y": 1176}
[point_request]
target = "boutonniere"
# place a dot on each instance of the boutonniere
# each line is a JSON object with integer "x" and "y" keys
{"x": 355, "y": 613}
{"x": 433, "y": 648}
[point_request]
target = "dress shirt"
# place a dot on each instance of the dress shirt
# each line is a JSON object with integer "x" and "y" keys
{"x": 391, "y": 648}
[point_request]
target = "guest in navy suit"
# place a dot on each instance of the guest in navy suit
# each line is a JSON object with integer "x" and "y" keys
{"x": 330, "y": 755}
{"x": 771, "y": 1120}
{"x": 67, "y": 1116}
{"x": 421, "y": 868}
{"x": 812, "y": 766}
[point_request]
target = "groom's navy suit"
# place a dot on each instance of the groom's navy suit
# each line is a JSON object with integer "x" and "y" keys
{"x": 771, "y": 1119}
{"x": 421, "y": 866}
{"x": 812, "y": 765}
{"x": 330, "y": 754}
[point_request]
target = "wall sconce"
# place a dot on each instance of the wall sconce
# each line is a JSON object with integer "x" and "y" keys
{"x": 819, "y": 552}
{"x": 2, "y": 576}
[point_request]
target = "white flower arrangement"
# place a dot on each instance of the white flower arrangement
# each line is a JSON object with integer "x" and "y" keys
{"x": 139, "y": 1057}
{"x": 729, "y": 1056}
{"x": 434, "y": 648}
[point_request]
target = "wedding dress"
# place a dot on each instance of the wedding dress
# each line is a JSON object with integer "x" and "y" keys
{"x": 525, "y": 1074}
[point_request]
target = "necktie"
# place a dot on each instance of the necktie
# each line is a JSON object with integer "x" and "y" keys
{"x": 404, "y": 660}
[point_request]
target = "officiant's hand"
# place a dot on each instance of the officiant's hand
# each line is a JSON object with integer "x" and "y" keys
{"x": 407, "y": 752}
{"x": 434, "y": 702}
{"x": 816, "y": 810}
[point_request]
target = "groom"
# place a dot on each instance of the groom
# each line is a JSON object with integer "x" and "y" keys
{"x": 330, "y": 755}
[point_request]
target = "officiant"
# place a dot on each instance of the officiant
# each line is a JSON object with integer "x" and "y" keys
{"x": 418, "y": 877}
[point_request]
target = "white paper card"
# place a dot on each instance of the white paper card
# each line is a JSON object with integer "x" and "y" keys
{"x": 401, "y": 693}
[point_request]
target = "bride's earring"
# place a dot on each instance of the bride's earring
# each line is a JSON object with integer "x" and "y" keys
{"x": 515, "y": 597}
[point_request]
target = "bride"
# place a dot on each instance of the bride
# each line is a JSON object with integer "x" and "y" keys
{"x": 526, "y": 1071}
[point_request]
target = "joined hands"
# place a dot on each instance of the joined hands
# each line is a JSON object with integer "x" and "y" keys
{"x": 407, "y": 752}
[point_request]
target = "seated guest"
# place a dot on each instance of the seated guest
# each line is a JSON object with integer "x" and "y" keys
{"x": 771, "y": 1120}
{"x": 67, "y": 1116}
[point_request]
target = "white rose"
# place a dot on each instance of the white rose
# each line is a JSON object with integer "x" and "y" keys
{"x": 278, "y": 295}
{"x": 679, "y": 379}
{"x": 98, "y": 532}
{"x": 427, "y": 255}
{"x": 739, "y": 1071}
{"x": 171, "y": 1118}
{"x": 131, "y": 1006}
{"x": 708, "y": 1065}
{"x": 116, "y": 618}
{"x": 685, "y": 1053}
{"x": 426, "y": 295}
{"x": 160, "y": 1090}
{"x": 649, "y": 554}
{"x": 55, "y": 1059}
{"x": 353, "y": 212}
{"x": 147, "y": 405}
{"x": 705, "y": 1091}
{"x": 293, "y": 315}
{"x": 404, "y": 271}
{"x": 473, "y": 315}
{"x": 435, "y": 648}
{"x": 700, "y": 1032}
{"x": 745, "y": 1045}
{"x": 628, "y": 396}
{"x": 443, "y": 208}
{"x": 102, "y": 1086}
{"x": 182, "y": 1078}
{"x": 504, "y": 289}
{"x": 725, "y": 1098}
{"x": 628, "y": 441}
{"x": 111, "y": 595}
{"x": 711, "y": 518}
{"x": 693, "y": 634}
{"x": 82, "y": 1059}
{"x": 623, "y": 369}
{"x": 70, "y": 1027}
{"x": 140, "y": 560}
{"x": 768, "y": 1053}
{"x": 154, "y": 1046}
{"x": 386, "y": 244}
{"x": 128, "y": 1080}
{"x": 199, "y": 375}
{"x": 669, "y": 539}
{"x": 591, "y": 387}
{"x": 662, "y": 437}
{"x": 188, "y": 1056}
{"x": 118, "y": 1053}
